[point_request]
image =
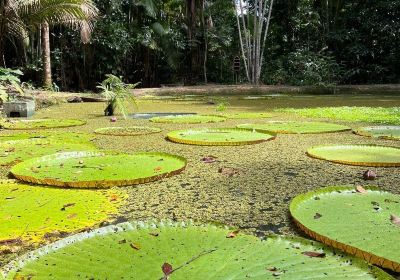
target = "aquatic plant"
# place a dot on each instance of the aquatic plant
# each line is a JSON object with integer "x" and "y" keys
{"x": 39, "y": 123}
{"x": 292, "y": 127}
{"x": 178, "y": 250}
{"x": 98, "y": 169}
{"x": 353, "y": 114}
{"x": 219, "y": 136}
{"x": 190, "y": 119}
{"x": 384, "y": 132}
{"x": 361, "y": 155}
{"x": 361, "y": 221}
{"x": 30, "y": 214}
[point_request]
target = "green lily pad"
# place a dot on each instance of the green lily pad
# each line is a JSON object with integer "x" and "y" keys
{"x": 296, "y": 127}
{"x": 191, "y": 119}
{"x": 385, "y": 132}
{"x": 356, "y": 222}
{"x": 245, "y": 115}
{"x": 75, "y": 137}
{"x": 30, "y": 213}
{"x": 39, "y": 123}
{"x": 18, "y": 150}
{"x": 352, "y": 114}
{"x": 361, "y": 155}
{"x": 98, "y": 169}
{"x": 141, "y": 250}
{"x": 127, "y": 131}
{"x": 219, "y": 136}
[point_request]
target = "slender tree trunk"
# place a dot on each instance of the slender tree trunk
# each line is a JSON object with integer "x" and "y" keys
{"x": 47, "y": 81}
{"x": 3, "y": 4}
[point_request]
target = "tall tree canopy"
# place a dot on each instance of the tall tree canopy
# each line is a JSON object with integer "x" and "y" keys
{"x": 309, "y": 42}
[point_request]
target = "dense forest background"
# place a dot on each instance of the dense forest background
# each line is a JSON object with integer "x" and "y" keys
{"x": 310, "y": 42}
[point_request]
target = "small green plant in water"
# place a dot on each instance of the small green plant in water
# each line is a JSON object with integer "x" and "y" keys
{"x": 117, "y": 93}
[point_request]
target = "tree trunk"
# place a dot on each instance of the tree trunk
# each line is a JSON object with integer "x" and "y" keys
{"x": 47, "y": 81}
{"x": 2, "y": 31}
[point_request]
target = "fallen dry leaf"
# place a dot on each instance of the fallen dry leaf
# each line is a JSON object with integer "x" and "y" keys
{"x": 232, "y": 234}
{"x": 157, "y": 169}
{"x": 361, "y": 190}
{"x": 314, "y": 254}
{"x": 395, "y": 220}
{"x": 166, "y": 269}
{"x": 123, "y": 241}
{"x": 317, "y": 216}
{"x": 114, "y": 197}
{"x": 135, "y": 246}
{"x": 272, "y": 269}
{"x": 209, "y": 159}
{"x": 65, "y": 206}
{"x": 228, "y": 171}
{"x": 154, "y": 233}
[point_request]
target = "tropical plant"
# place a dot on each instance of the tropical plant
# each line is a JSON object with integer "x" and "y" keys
{"x": 9, "y": 81}
{"x": 117, "y": 93}
{"x": 18, "y": 17}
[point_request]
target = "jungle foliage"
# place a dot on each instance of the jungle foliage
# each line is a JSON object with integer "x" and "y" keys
{"x": 310, "y": 42}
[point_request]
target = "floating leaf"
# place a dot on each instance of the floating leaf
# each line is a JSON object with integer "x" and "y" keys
{"x": 383, "y": 131}
{"x": 135, "y": 246}
{"x": 361, "y": 155}
{"x": 292, "y": 127}
{"x": 361, "y": 190}
{"x": 395, "y": 220}
{"x": 191, "y": 119}
{"x": 232, "y": 234}
{"x": 40, "y": 123}
{"x": 120, "y": 170}
{"x": 314, "y": 254}
{"x": 219, "y": 137}
{"x": 184, "y": 251}
{"x": 350, "y": 223}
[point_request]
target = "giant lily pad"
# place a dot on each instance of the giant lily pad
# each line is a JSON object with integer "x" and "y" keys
{"x": 219, "y": 137}
{"x": 385, "y": 132}
{"x": 170, "y": 250}
{"x": 357, "y": 222}
{"x": 245, "y": 115}
{"x": 18, "y": 150}
{"x": 127, "y": 131}
{"x": 296, "y": 127}
{"x": 361, "y": 155}
{"x": 98, "y": 169}
{"x": 192, "y": 119}
{"x": 39, "y": 123}
{"x": 30, "y": 213}
{"x": 75, "y": 137}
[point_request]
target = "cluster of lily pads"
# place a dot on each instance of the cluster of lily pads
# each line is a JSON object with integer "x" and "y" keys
{"x": 180, "y": 250}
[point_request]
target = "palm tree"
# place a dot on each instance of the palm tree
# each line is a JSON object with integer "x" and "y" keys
{"x": 17, "y": 17}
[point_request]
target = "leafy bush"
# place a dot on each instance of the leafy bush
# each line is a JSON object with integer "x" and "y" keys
{"x": 9, "y": 82}
{"x": 117, "y": 93}
{"x": 304, "y": 68}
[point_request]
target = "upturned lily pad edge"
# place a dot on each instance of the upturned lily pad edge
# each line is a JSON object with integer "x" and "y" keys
{"x": 367, "y": 256}
{"x": 360, "y": 131}
{"x": 354, "y": 163}
{"x": 14, "y": 266}
{"x": 100, "y": 184}
{"x": 219, "y": 143}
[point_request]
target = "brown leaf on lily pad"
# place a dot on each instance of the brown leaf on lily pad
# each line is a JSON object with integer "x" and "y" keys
{"x": 65, "y": 206}
{"x": 361, "y": 190}
{"x": 232, "y": 234}
{"x": 395, "y": 220}
{"x": 273, "y": 269}
{"x": 209, "y": 159}
{"x": 72, "y": 216}
{"x": 166, "y": 269}
{"x": 317, "y": 216}
{"x": 314, "y": 254}
{"x": 135, "y": 246}
{"x": 114, "y": 197}
{"x": 154, "y": 234}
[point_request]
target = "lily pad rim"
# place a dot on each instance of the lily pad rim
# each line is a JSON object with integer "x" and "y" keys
{"x": 384, "y": 262}
{"x": 31, "y": 256}
{"x": 361, "y": 132}
{"x": 97, "y": 184}
{"x": 368, "y": 164}
{"x": 218, "y": 143}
